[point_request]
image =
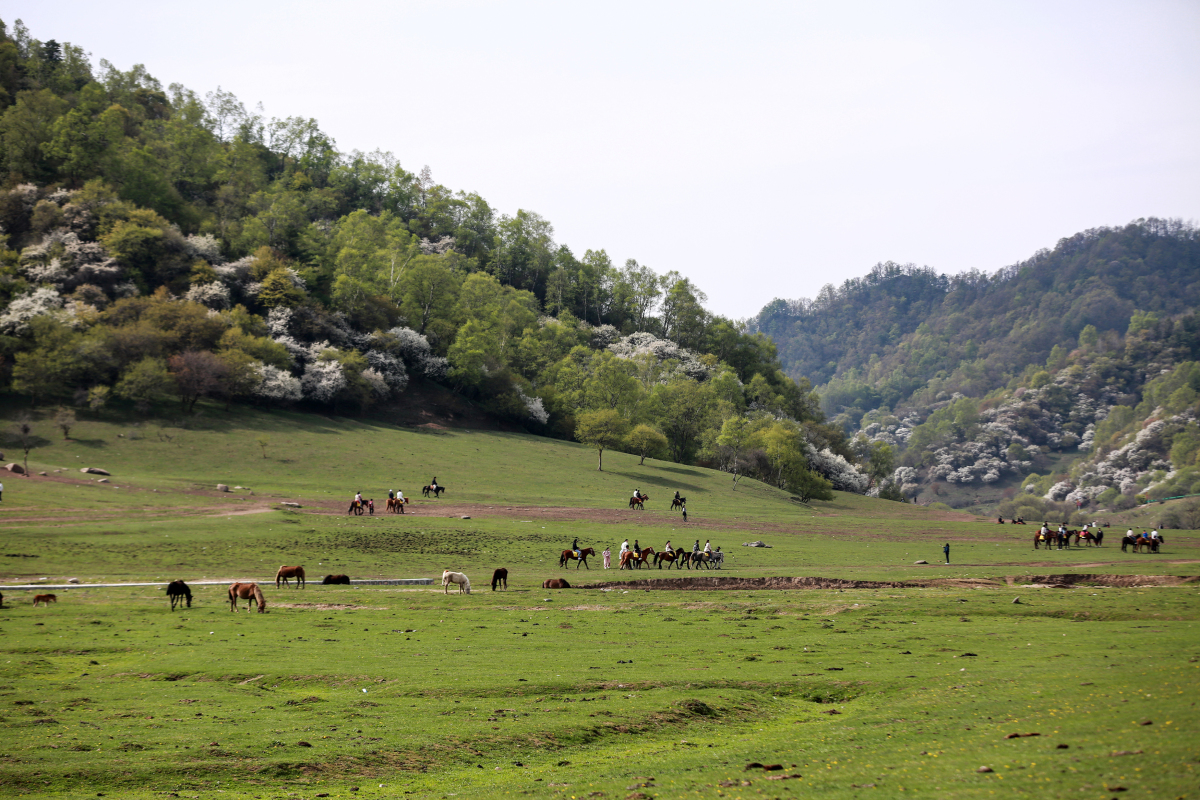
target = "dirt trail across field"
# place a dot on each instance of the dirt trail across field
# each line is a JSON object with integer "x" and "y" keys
{"x": 710, "y": 583}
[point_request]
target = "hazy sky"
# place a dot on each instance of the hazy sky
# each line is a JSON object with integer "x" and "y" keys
{"x": 762, "y": 149}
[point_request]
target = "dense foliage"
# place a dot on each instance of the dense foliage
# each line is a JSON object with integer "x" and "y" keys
{"x": 162, "y": 245}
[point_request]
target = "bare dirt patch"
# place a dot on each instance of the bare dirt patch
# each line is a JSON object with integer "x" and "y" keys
{"x": 327, "y": 607}
{"x": 811, "y": 582}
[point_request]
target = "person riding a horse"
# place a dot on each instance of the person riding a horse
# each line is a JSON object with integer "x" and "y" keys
{"x": 391, "y": 495}
{"x": 358, "y": 501}
{"x": 433, "y": 485}
{"x": 667, "y": 547}
{"x": 624, "y": 549}
{"x": 575, "y": 547}
{"x": 707, "y": 547}
{"x": 696, "y": 547}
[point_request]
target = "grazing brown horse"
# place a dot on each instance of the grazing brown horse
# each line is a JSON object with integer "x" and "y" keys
{"x": 179, "y": 592}
{"x": 331, "y": 580}
{"x": 639, "y": 502}
{"x": 555, "y": 583}
{"x": 45, "y": 598}
{"x": 290, "y": 572}
{"x": 247, "y": 591}
{"x": 569, "y": 555}
{"x": 633, "y": 558}
{"x": 500, "y": 577}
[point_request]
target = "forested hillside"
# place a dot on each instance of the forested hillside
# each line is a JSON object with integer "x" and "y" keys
{"x": 164, "y": 249}
{"x": 1073, "y": 371}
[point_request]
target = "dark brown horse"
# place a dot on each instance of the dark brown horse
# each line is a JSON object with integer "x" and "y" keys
{"x": 555, "y": 583}
{"x": 46, "y": 599}
{"x": 396, "y": 505}
{"x": 333, "y": 580}
{"x": 355, "y": 508}
{"x": 500, "y": 577}
{"x": 247, "y": 591}
{"x": 639, "y": 502}
{"x": 670, "y": 558}
{"x": 290, "y": 572}
{"x": 569, "y": 555}
{"x": 678, "y": 502}
{"x": 179, "y": 593}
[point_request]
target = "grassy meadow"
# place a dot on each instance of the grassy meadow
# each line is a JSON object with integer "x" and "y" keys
{"x": 386, "y": 691}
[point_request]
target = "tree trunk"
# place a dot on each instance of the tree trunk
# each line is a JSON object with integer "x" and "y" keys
{"x": 601, "y": 464}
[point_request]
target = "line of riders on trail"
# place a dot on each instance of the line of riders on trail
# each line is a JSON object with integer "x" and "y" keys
{"x": 636, "y": 557}
{"x": 1091, "y": 534}
{"x": 396, "y": 500}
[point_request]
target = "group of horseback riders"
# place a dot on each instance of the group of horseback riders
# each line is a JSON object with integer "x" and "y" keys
{"x": 396, "y": 500}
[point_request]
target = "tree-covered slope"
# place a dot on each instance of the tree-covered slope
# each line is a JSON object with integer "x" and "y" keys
{"x": 159, "y": 247}
{"x": 902, "y": 335}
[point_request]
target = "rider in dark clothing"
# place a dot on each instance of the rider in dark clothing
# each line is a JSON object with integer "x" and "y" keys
{"x": 575, "y": 546}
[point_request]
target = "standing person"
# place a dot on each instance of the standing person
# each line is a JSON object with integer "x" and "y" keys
{"x": 946, "y": 552}
{"x": 371, "y": 506}
{"x": 607, "y": 556}
{"x": 1, "y": 491}
{"x": 684, "y": 513}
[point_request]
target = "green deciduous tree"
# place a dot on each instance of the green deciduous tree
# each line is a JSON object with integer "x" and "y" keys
{"x": 603, "y": 429}
{"x": 645, "y": 442}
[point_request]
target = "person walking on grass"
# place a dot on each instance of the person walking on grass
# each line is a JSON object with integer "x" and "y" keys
{"x": 946, "y": 552}
{"x": 607, "y": 556}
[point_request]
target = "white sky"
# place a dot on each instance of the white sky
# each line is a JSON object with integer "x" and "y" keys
{"x": 761, "y": 149}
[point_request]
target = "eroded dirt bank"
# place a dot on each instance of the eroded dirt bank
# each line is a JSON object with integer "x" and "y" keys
{"x": 715, "y": 582}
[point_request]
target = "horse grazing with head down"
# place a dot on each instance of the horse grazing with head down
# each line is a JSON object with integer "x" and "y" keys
{"x": 555, "y": 583}
{"x": 179, "y": 592}
{"x": 464, "y": 583}
{"x": 247, "y": 591}
{"x": 332, "y": 580}
{"x": 290, "y": 572}
{"x": 569, "y": 555}
{"x": 500, "y": 577}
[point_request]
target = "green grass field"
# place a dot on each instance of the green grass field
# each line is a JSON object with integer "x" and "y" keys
{"x": 381, "y": 691}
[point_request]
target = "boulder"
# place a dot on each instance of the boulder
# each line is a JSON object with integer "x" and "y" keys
{"x": 102, "y": 480}
{"x": 42, "y": 474}
{"x": 95, "y": 471}
{"x": 755, "y": 544}
{"x": 72, "y": 580}
{"x": 922, "y": 561}
{"x": 291, "y": 505}
{"x": 15, "y": 468}
{"x": 221, "y": 487}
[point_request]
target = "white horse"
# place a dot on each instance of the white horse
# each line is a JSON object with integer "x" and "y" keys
{"x": 448, "y": 577}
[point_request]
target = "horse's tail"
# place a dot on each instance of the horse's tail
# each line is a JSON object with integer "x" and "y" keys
{"x": 262, "y": 601}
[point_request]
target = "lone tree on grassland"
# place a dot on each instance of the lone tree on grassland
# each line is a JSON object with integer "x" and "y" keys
{"x": 603, "y": 429}
{"x": 646, "y": 442}
{"x": 21, "y": 435}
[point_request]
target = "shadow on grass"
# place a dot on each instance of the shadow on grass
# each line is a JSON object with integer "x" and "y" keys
{"x": 93, "y": 444}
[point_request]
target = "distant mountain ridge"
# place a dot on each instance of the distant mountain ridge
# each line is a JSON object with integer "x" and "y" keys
{"x": 902, "y": 334}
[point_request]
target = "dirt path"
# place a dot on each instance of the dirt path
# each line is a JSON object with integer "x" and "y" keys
{"x": 714, "y": 582}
